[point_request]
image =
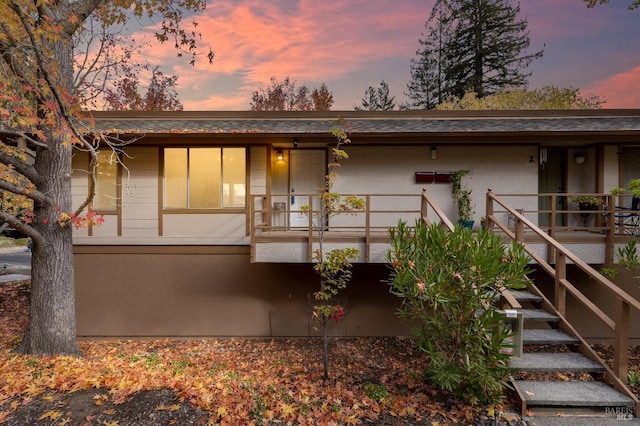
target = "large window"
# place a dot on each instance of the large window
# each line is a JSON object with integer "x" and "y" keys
{"x": 204, "y": 178}
{"x": 106, "y": 198}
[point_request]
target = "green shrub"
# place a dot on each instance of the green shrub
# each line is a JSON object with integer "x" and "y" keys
{"x": 448, "y": 282}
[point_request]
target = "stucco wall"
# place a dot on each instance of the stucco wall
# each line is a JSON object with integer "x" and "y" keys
{"x": 391, "y": 170}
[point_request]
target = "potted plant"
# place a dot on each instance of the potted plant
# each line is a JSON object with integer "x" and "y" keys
{"x": 462, "y": 198}
{"x": 634, "y": 188}
{"x": 587, "y": 202}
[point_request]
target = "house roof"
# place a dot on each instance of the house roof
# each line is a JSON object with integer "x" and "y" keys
{"x": 573, "y": 127}
{"x": 365, "y": 122}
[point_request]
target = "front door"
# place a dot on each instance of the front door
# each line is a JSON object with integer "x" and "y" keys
{"x": 552, "y": 179}
{"x": 306, "y": 177}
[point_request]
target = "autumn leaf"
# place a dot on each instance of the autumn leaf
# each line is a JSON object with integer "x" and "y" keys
{"x": 64, "y": 421}
{"x": 287, "y": 409}
{"x": 113, "y": 423}
{"x": 51, "y": 414}
{"x": 221, "y": 412}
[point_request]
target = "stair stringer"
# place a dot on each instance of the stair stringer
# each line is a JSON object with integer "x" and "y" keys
{"x": 583, "y": 348}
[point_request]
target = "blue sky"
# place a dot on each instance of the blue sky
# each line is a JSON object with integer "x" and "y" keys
{"x": 351, "y": 45}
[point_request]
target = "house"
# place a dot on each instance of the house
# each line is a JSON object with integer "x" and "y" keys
{"x": 202, "y": 234}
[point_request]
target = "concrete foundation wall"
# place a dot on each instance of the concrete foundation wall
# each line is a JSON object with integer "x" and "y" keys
{"x": 191, "y": 291}
{"x": 186, "y": 291}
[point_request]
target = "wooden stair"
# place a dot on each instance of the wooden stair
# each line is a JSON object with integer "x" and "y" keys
{"x": 558, "y": 369}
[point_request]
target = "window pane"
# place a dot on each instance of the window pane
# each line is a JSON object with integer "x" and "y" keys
{"x": 234, "y": 170}
{"x": 204, "y": 178}
{"x": 106, "y": 181}
{"x": 175, "y": 178}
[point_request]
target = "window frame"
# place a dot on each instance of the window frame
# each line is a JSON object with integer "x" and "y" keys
{"x": 213, "y": 210}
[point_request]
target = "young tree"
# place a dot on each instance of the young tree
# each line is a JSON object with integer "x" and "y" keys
{"x": 547, "y": 97}
{"x": 377, "y": 99}
{"x": 286, "y": 96}
{"x": 322, "y": 98}
{"x": 161, "y": 94}
{"x": 333, "y": 266}
{"x": 41, "y": 126}
{"x": 483, "y": 50}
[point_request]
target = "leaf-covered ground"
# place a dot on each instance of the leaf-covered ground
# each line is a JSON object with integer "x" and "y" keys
{"x": 219, "y": 381}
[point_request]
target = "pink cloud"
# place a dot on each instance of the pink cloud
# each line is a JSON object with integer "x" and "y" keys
{"x": 313, "y": 42}
{"x": 620, "y": 90}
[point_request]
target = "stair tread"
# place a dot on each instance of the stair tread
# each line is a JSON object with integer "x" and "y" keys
{"x": 555, "y": 361}
{"x": 525, "y": 296}
{"x": 548, "y": 337}
{"x": 538, "y": 315}
{"x": 572, "y": 394}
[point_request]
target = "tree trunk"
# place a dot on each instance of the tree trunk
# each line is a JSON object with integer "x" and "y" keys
{"x": 52, "y": 325}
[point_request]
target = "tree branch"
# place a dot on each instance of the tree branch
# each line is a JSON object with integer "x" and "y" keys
{"x": 20, "y": 166}
{"x": 34, "y": 195}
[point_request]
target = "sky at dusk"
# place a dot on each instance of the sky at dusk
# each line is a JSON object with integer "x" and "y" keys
{"x": 353, "y": 44}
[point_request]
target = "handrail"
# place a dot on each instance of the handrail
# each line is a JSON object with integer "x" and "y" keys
{"x": 427, "y": 202}
{"x": 556, "y": 267}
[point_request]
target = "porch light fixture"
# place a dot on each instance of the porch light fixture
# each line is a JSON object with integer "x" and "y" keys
{"x": 434, "y": 153}
{"x": 578, "y": 158}
{"x": 280, "y": 155}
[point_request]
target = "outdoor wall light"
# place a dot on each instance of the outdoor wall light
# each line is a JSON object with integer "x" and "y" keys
{"x": 434, "y": 153}
{"x": 295, "y": 143}
{"x": 578, "y": 158}
{"x": 280, "y": 155}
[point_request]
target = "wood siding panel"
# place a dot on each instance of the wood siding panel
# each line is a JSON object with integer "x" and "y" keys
{"x": 258, "y": 170}
{"x": 79, "y": 179}
{"x": 217, "y": 225}
{"x": 611, "y": 168}
{"x": 140, "y": 203}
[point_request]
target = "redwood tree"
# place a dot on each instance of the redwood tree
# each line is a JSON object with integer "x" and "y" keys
{"x": 41, "y": 126}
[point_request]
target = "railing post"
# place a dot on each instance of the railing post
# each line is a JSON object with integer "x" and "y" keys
{"x": 551, "y": 252}
{"x": 367, "y": 230}
{"x": 621, "y": 340}
{"x": 252, "y": 227}
{"x": 424, "y": 207}
{"x": 560, "y": 293}
{"x": 609, "y": 231}
{"x": 320, "y": 225}
{"x": 488, "y": 209}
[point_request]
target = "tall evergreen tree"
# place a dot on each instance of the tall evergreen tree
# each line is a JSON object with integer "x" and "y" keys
{"x": 427, "y": 85}
{"x": 470, "y": 45}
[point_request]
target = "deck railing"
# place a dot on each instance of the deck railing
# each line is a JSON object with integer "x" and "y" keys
{"x": 275, "y": 216}
{"x": 556, "y": 267}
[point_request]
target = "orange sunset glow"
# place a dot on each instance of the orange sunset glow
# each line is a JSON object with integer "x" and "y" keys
{"x": 351, "y": 45}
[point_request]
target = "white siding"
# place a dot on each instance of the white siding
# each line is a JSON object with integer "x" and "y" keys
{"x": 217, "y": 228}
{"x": 140, "y": 201}
{"x": 258, "y": 170}
{"x": 611, "y": 168}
